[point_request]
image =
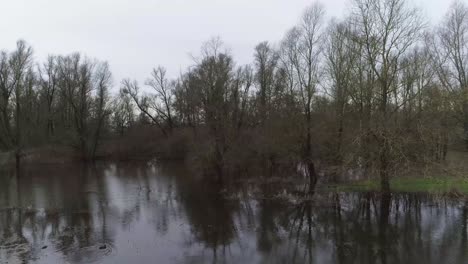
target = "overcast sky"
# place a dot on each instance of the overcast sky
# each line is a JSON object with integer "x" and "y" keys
{"x": 136, "y": 35}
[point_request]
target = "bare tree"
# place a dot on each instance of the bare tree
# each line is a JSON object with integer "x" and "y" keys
{"x": 387, "y": 29}
{"x": 84, "y": 84}
{"x": 48, "y": 75}
{"x": 123, "y": 113}
{"x": 6, "y": 91}
{"x": 187, "y": 101}
{"x": 266, "y": 60}
{"x": 341, "y": 59}
{"x": 303, "y": 48}
{"x": 75, "y": 82}
{"x": 163, "y": 99}
{"x": 20, "y": 62}
{"x": 102, "y": 80}
{"x": 213, "y": 77}
{"x": 451, "y": 57}
{"x": 240, "y": 96}
{"x": 142, "y": 102}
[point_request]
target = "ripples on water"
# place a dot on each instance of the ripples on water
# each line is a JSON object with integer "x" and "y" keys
{"x": 140, "y": 213}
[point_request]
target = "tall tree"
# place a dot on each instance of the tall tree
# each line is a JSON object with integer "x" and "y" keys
{"x": 341, "y": 58}
{"x": 84, "y": 84}
{"x": 162, "y": 101}
{"x": 20, "y": 62}
{"x": 387, "y": 29}
{"x": 266, "y": 60}
{"x": 303, "y": 50}
{"x": 48, "y": 75}
{"x": 451, "y": 54}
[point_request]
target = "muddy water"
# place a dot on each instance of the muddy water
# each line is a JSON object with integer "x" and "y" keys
{"x": 146, "y": 213}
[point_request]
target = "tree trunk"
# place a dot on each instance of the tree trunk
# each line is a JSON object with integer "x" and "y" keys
{"x": 18, "y": 129}
{"x": 219, "y": 159}
{"x": 385, "y": 206}
{"x": 384, "y": 151}
{"x": 312, "y": 175}
{"x": 384, "y": 178}
{"x": 339, "y": 155}
{"x": 17, "y": 162}
{"x": 308, "y": 158}
{"x": 97, "y": 135}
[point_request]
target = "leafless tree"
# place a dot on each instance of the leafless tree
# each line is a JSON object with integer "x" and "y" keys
{"x": 266, "y": 60}
{"x": 451, "y": 57}
{"x": 341, "y": 60}
{"x": 142, "y": 102}
{"x": 6, "y": 89}
{"x": 102, "y": 80}
{"x": 48, "y": 81}
{"x": 303, "y": 49}
{"x": 123, "y": 113}
{"x": 162, "y": 101}
{"x": 19, "y": 62}
{"x": 387, "y": 29}
{"x": 84, "y": 84}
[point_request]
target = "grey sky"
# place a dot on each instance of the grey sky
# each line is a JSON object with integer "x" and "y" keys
{"x": 136, "y": 35}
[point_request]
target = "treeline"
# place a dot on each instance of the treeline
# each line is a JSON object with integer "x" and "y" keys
{"x": 379, "y": 90}
{"x": 65, "y": 100}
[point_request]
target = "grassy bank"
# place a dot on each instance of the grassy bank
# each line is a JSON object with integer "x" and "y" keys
{"x": 431, "y": 185}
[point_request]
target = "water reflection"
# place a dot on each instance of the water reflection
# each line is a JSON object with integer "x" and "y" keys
{"x": 142, "y": 213}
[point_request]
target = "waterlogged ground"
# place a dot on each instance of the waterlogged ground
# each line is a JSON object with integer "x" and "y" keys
{"x": 143, "y": 213}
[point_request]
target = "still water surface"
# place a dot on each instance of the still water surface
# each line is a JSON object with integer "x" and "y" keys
{"x": 144, "y": 213}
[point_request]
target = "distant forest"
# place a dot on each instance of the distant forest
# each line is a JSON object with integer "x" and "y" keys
{"x": 379, "y": 91}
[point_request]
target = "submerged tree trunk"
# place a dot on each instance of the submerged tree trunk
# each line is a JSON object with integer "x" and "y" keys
{"x": 385, "y": 207}
{"x": 384, "y": 133}
{"x": 18, "y": 129}
{"x": 384, "y": 166}
{"x": 384, "y": 174}
{"x": 308, "y": 158}
{"x": 339, "y": 154}
{"x": 97, "y": 135}
{"x": 312, "y": 175}
{"x": 219, "y": 159}
{"x": 17, "y": 162}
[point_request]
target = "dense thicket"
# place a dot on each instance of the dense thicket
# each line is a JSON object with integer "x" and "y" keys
{"x": 376, "y": 91}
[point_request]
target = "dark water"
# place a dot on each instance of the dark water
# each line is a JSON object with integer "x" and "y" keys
{"x": 162, "y": 214}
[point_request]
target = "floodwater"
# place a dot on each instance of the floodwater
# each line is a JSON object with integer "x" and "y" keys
{"x": 144, "y": 213}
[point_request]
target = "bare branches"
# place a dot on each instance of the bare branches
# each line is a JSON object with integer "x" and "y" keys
{"x": 450, "y": 49}
{"x": 163, "y": 99}
{"x": 131, "y": 88}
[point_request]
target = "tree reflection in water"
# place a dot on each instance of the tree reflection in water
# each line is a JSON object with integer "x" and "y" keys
{"x": 141, "y": 213}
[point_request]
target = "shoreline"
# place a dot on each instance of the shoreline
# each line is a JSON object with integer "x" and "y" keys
{"x": 432, "y": 185}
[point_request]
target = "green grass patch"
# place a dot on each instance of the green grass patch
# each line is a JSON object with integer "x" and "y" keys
{"x": 431, "y": 185}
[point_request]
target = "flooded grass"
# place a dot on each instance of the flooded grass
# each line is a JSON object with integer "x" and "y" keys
{"x": 411, "y": 185}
